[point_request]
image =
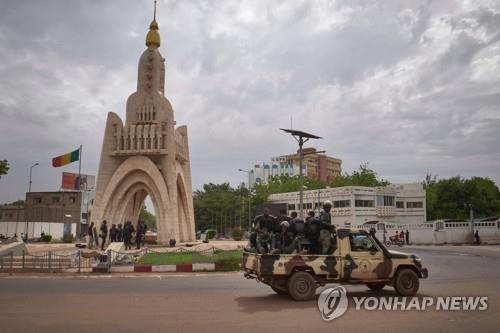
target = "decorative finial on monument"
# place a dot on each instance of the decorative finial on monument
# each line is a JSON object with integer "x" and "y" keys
{"x": 154, "y": 13}
{"x": 153, "y": 37}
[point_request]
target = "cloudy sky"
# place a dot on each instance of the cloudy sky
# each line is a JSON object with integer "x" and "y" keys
{"x": 412, "y": 87}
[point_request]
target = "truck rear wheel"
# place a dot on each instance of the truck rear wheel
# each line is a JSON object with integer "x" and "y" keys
{"x": 279, "y": 291}
{"x": 301, "y": 286}
{"x": 406, "y": 283}
{"x": 375, "y": 286}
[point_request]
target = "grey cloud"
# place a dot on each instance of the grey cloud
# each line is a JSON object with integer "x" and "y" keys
{"x": 393, "y": 83}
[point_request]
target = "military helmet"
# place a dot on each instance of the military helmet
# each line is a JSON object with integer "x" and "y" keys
{"x": 285, "y": 224}
{"x": 327, "y": 203}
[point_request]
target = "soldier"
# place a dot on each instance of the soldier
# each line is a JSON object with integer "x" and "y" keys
{"x": 263, "y": 226}
{"x": 312, "y": 229}
{"x": 119, "y": 233}
{"x": 276, "y": 237}
{"x": 287, "y": 242}
{"x": 325, "y": 237}
{"x": 128, "y": 229}
{"x": 103, "y": 233}
{"x": 138, "y": 234}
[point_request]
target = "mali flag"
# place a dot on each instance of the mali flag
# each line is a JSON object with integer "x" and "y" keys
{"x": 66, "y": 158}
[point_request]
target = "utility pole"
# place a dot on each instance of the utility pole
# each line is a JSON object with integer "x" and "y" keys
{"x": 26, "y": 203}
{"x": 249, "y": 197}
{"x": 301, "y": 137}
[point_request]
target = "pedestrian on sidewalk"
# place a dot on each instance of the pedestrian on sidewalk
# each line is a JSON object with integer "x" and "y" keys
{"x": 407, "y": 237}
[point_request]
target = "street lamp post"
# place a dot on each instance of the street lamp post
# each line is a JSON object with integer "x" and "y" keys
{"x": 471, "y": 216}
{"x": 301, "y": 137}
{"x": 249, "y": 214}
{"x": 26, "y": 203}
{"x": 31, "y": 174}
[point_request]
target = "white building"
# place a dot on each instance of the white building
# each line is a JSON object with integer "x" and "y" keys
{"x": 261, "y": 172}
{"x": 357, "y": 205}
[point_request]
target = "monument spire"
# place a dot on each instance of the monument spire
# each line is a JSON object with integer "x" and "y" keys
{"x": 153, "y": 36}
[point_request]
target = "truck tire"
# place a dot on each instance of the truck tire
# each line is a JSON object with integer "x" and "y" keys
{"x": 375, "y": 286}
{"x": 279, "y": 291}
{"x": 301, "y": 286}
{"x": 406, "y": 283}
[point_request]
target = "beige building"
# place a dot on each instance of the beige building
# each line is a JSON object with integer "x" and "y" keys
{"x": 146, "y": 155}
{"x": 11, "y": 213}
{"x": 56, "y": 213}
{"x": 317, "y": 165}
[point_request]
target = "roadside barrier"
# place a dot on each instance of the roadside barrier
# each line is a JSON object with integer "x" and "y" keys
{"x": 210, "y": 259}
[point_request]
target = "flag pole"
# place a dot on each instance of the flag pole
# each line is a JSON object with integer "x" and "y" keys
{"x": 78, "y": 226}
{"x": 80, "y": 168}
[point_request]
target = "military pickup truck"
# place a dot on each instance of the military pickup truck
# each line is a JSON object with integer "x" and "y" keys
{"x": 358, "y": 257}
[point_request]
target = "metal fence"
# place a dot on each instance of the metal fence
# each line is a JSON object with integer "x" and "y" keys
{"x": 47, "y": 262}
{"x": 6, "y": 262}
{"x": 53, "y": 262}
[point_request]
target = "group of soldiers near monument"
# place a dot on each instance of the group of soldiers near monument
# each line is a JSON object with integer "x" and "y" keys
{"x": 123, "y": 234}
{"x": 289, "y": 234}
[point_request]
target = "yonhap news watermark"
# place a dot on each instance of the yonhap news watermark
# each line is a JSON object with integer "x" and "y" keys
{"x": 333, "y": 303}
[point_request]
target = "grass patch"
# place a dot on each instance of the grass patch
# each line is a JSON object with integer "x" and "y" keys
{"x": 231, "y": 259}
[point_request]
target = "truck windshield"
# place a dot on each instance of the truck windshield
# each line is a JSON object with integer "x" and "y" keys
{"x": 361, "y": 242}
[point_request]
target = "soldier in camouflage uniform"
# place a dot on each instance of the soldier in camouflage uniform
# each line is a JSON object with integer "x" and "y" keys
{"x": 325, "y": 236}
{"x": 263, "y": 228}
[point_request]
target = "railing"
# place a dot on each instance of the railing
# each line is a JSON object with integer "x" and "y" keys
{"x": 52, "y": 262}
{"x": 6, "y": 262}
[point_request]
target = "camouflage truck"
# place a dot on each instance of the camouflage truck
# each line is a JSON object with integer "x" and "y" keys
{"x": 358, "y": 257}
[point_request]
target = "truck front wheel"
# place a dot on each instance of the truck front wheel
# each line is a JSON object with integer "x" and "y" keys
{"x": 406, "y": 283}
{"x": 301, "y": 286}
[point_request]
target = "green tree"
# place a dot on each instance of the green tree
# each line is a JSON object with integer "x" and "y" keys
{"x": 221, "y": 207}
{"x": 449, "y": 198}
{"x": 4, "y": 167}
{"x": 148, "y": 218}
{"x": 364, "y": 176}
{"x": 283, "y": 184}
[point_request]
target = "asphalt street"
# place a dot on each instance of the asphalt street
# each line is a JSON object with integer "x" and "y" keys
{"x": 230, "y": 303}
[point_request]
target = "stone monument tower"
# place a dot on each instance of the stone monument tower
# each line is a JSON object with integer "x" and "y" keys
{"x": 146, "y": 156}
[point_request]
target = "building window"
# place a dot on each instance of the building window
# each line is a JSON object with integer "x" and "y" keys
{"x": 55, "y": 200}
{"x": 364, "y": 203}
{"x": 414, "y": 204}
{"x": 72, "y": 200}
{"x": 400, "y": 204}
{"x": 291, "y": 206}
{"x": 37, "y": 200}
{"x": 385, "y": 200}
{"x": 341, "y": 203}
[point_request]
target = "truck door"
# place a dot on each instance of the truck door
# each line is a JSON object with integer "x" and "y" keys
{"x": 365, "y": 258}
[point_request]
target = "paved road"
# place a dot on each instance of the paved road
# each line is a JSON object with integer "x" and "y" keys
{"x": 230, "y": 303}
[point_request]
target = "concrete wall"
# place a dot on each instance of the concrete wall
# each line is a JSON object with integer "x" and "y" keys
{"x": 440, "y": 232}
{"x": 35, "y": 229}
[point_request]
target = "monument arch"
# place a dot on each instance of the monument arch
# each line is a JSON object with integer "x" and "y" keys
{"x": 146, "y": 155}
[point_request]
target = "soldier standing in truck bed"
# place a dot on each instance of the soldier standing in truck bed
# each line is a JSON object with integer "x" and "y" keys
{"x": 264, "y": 225}
{"x": 276, "y": 236}
{"x": 325, "y": 237}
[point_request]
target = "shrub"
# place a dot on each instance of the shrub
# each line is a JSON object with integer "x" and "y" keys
{"x": 68, "y": 238}
{"x": 46, "y": 238}
{"x": 237, "y": 234}
{"x": 211, "y": 233}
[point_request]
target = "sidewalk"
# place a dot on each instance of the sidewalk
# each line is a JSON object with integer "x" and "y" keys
{"x": 478, "y": 250}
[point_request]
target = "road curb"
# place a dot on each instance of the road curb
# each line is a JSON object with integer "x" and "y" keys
{"x": 185, "y": 268}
